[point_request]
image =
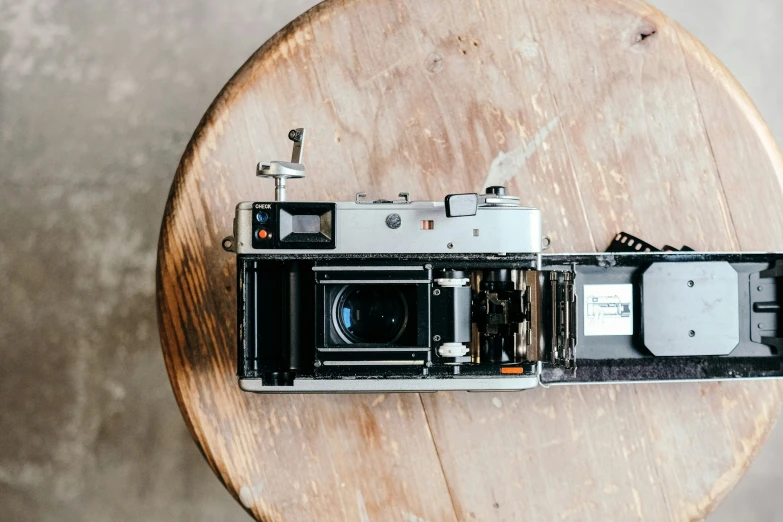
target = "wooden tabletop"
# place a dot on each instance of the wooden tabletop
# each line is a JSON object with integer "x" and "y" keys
{"x": 604, "y": 114}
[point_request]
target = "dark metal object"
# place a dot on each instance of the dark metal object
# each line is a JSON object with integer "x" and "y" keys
{"x": 393, "y": 221}
{"x": 497, "y": 191}
{"x": 690, "y": 308}
{"x": 766, "y": 298}
{"x": 497, "y": 310}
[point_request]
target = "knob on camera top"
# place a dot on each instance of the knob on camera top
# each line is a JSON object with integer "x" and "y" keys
{"x": 282, "y": 170}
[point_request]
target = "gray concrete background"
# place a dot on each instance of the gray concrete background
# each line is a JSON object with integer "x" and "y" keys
{"x": 97, "y": 102}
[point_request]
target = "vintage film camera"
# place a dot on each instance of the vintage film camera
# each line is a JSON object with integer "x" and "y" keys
{"x": 400, "y": 295}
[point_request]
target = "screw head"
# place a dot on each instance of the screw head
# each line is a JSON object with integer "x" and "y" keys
{"x": 295, "y": 135}
{"x": 436, "y": 338}
{"x": 450, "y": 245}
{"x": 690, "y": 284}
{"x": 436, "y": 292}
{"x": 393, "y": 221}
{"x": 691, "y": 333}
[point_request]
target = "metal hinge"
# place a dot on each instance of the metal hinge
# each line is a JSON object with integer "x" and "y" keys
{"x": 563, "y": 319}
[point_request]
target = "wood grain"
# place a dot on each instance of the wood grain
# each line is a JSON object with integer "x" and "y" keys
{"x": 603, "y": 113}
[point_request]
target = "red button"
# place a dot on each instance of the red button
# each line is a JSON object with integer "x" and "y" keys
{"x": 262, "y": 234}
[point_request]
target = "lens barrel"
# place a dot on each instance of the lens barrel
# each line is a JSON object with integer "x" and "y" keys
{"x": 371, "y": 314}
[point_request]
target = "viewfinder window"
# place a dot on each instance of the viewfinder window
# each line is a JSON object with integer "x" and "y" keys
{"x": 304, "y": 224}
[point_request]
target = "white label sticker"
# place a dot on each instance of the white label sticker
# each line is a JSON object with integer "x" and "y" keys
{"x": 608, "y": 309}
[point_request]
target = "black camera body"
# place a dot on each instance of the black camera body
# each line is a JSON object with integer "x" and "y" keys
{"x": 405, "y": 323}
{"x": 398, "y": 295}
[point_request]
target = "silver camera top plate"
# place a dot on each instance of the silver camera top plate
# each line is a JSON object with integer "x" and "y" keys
{"x": 419, "y": 227}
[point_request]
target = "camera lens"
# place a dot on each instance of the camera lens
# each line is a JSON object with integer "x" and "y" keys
{"x": 371, "y": 314}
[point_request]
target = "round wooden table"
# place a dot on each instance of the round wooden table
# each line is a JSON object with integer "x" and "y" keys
{"x": 607, "y": 116}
